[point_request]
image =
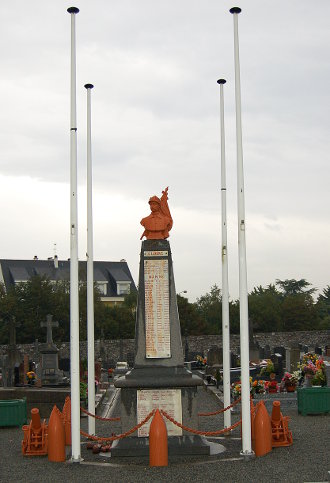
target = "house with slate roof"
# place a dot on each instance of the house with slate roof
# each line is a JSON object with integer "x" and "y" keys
{"x": 113, "y": 279}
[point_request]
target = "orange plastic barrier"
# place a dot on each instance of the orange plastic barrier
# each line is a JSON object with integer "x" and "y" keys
{"x": 281, "y": 436}
{"x": 158, "y": 447}
{"x": 35, "y": 436}
{"x": 67, "y": 420}
{"x": 56, "y": 437}
{"x": 262, "y": 431}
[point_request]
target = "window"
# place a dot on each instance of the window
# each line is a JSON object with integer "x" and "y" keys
{"x": 123, "y": 288}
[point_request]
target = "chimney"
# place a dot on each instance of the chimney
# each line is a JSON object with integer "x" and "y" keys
{"x": 56, "y": 261}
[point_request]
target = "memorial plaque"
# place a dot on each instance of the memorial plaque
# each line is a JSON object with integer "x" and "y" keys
{"x": 156, "y": 253}
{"x": 157, "y": 319}
{"x": 167, "y": 399}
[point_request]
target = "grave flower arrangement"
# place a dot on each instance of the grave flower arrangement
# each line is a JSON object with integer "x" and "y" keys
{"x": 236, "y": 389}
{"x": 268, "y": 369}
{"x": 290, "y": 379}
{"x": 271, "y": 386}
{"x": 319, "y": 378}
{"x": 201, "y": 361}
{"x": 259, "y": 386}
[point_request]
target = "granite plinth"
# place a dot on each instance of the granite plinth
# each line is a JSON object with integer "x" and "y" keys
{"x": 158, "y": 377}
{"x": 177, "y": 446}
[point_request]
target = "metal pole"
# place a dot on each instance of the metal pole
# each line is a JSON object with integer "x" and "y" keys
{"x": 74, "y": 283}
{"x": 90, "y": 272}
{"x": 224, "y": 257}
{"x": 243, "y": 293}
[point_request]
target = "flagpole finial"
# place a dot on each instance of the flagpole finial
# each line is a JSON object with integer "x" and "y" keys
{"x": 89, "y": 86}
{"x": 73, "y": 10}
{"x": 221, "y": 81}
{"x": 235, "y": 10}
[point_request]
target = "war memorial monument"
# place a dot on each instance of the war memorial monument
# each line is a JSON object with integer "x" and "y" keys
{"x": 158, "y": 378}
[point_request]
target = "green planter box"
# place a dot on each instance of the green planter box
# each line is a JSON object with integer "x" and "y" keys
{"x": 313, "y": 400}
{"x": 13, "y": 412}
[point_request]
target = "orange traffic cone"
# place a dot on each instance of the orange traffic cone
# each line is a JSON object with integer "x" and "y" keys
{"x": 35, "y": 436}
{"x": 262, "y": 431}
{"x": 56, "y": 437}
{"x": 67, "y": 420}
{"x": 158, "y": 448}
{"x": 281, "y": 436}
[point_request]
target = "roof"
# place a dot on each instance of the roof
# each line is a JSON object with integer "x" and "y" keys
{"x": 109, "y": 273}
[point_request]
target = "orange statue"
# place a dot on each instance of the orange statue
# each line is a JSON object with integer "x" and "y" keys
{"x": 158, "y": 224}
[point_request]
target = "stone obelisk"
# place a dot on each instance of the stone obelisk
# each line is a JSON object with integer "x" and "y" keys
{"x": 159, "y": 378}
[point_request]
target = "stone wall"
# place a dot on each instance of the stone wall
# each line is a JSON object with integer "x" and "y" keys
{"x": 111, "y": 351}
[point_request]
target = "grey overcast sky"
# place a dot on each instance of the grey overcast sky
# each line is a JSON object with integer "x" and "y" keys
{"x": 155, "y": 123}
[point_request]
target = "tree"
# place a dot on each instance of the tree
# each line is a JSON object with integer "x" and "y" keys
{"x": 190, "y": 320}
{"x": 210, "y": 309}
{"x": 265, "y": 308}
{"x": 323, "y": 308}
{"x": 298, "y": 310}
{"x": 295, "y": 287}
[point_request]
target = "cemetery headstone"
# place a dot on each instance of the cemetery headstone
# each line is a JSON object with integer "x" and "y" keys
{"x": 294, "y": 359}
{"x": 50, "y": 373}
{"x": 262, "y": 352}
{"x": 253, "y": 346}
{"x": 214, "y": 356}
{"x": 267, "y": 351}
{"x": 288, "y": 359}
{"x": 318, "y": 350}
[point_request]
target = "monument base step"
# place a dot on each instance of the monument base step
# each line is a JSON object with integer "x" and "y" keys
{"x": 177, "y": 446}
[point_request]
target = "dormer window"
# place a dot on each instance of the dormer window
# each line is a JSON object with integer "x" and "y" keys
{"x": 123, "y": 288}
{"x": 102, "y": 286}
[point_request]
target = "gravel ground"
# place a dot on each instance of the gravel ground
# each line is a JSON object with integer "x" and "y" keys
{"x": 307, "y": 460}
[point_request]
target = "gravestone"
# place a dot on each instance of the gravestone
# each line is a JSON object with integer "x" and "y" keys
{"x": 214, "y": 356}
{"x": 50, "y": 373}
{"x": 294, "y": 359}
{"x": 288, "y": 359}
{"x": 253, "y": 346}
{"x": 267, "y": 351}
{"x": 262, "y": 352}
{"x": 233, "y": 360}
{"x": 158, "y": 378}
{"x": 279, "y": 364}
{"x": 318, "y": 350}
{"x": 281, "y": 350}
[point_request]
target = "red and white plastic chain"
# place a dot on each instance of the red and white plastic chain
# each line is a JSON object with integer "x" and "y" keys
{"x": 119, "y": 436}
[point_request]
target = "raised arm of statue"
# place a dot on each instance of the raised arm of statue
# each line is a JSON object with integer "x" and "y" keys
{"x": 164, "y": 206}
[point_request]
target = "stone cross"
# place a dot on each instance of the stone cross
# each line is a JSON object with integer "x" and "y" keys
{"x": 49, "y": 324}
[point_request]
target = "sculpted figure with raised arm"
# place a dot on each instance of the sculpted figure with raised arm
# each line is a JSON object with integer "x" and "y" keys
{"x": 158, "y": 224}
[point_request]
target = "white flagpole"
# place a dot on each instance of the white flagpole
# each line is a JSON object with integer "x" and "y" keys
{"x": 90, "y": 272}
{"x": 74, "y": 282}
{"x": 224, "y": 257}
{"x": 243, "y": 293}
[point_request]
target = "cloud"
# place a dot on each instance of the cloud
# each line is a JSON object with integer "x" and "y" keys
{"x": 155, "y": 122}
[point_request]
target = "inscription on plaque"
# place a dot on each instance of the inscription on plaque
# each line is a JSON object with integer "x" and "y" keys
{"x": 49, "y": 361}
{"x": 157, "y": 309}
{"x": 160, "y": 253}
{"x": 167, "y": 399}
